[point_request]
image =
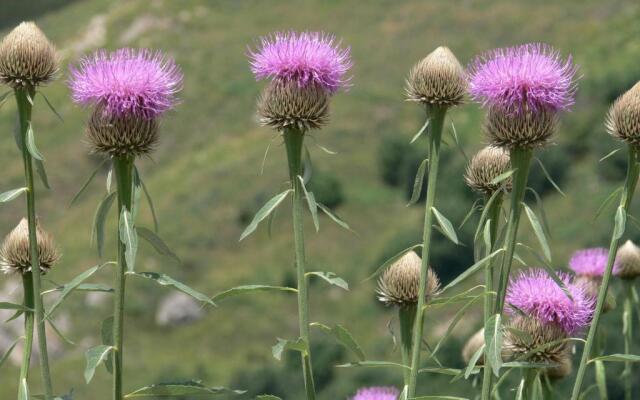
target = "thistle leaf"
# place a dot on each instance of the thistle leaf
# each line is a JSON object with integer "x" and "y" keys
{"x": 418, "y": 182}
{"x": 181, "y": 389}
{"x": 94, "y": 357}
{"x": 264, "y": 212}
{"x": 246, "y": 289}
{"x": 538, "y": 230}
{"x": 446, "y": 226}
{"x": 166, "y": 280}
{"x": 344, "y": 337}
{"x": 11, "y": 194}
{"x": 330, "y": 277}
{"x": 31, "y": 144}
{"x": 311, "y": 202}
{"x": 298, "y": 345}
{"x": 128, "y": 237}
{"x": 493, "y": 340}
{"x": 158, "y": 244}
{"x": 99, "y": 221}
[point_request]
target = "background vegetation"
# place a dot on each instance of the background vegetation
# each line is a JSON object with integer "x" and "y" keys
{"x": 205, "y": 177}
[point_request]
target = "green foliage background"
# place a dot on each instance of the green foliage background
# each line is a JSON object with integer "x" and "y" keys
{"x": 206, "y": 173}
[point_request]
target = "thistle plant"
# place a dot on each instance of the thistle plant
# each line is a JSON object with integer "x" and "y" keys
{"x": 399, "y": 286}
{"x": 438, "y": 82}
{"x": 589, "y": 266}
{"x": 304, "y": 70}
{"x": 627, "y": 268}
{"x": 623, "y": 123}
{"x": 483, "y": 175}
{"x": 129, "y": 91}
{"x": 377, "y": 393}
{"x": 545, "y": 317}
{"x": 523, "y": 89}
{"x": 27, "y": 61}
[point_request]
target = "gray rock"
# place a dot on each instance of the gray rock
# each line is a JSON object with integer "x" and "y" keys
{"x": 178, "y": 309}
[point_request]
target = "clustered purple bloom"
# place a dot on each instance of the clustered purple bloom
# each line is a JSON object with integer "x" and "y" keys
{"x": 535, "y": 293}
{"x": 527, "y": 77}
{"x": 127, "y": 82}
{"x": 306, "y": 57}
{"x": 377, "y": 393}
{"x": 591, "y": 262}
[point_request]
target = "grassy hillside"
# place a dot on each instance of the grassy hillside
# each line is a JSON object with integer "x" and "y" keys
{"x": 206, "y": 174}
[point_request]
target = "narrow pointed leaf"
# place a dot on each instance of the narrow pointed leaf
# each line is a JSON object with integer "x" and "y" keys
{"x": 373, "y": 364}
{"x": 42, "y": 172}
{"x": 60, "y": 334}
{"x": 334, "y": 217}
{"x": 471, "y": 367}
{"x": 332, "y": 278}
{"x": 267, "y": 397}
{"x": 51, "y": 107}
{"x": 502, "y": 177}
{"x": 86, "y": 183}
{"x": 418, "y": 182}
{"x": 23, "y": 390}
{"x": 100, "y": 219}
{"x": 13, "y": 306}
{"x": 446, "y": 226}
{"x": 72, "y": 285}
{"x": 147, "y": 195}
{"x": 610, "y": 154}
{"x": 601, "y": 380}
{"x": 11, "y": 194}
{"x": 539, "y": 232}
{"x": 246, "y": 289}
{"x": 606, "y": 202}
{"x": 472, "y": 269}
{"x": 264, "y": 212}
{"x": 106, "y": 333}
{"x": 158, "y": 244}
{"x": 94, "y": 357}
{"x": 31, "y": 145}
{"x": 166, "y": 280}
{"x": 129, "y": 238}
{"x": 311, "y": 202}
{"x": 493, "y": 340}
{"x": 620, "y": 222}
{"x": 617, "y": 358}
{"x": 344, "y": 337}
{"x": 548, "y": 176}
{"x": 9, "y": 350}
{"x": 421, "y": 131}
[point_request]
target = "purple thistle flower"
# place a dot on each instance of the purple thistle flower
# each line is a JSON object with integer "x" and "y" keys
{"x": 590, "y": 262}
{"x": 535, "y": 293}
{"x": 306, "y": 57}
{"x": 377, "y": 393}
{"x": 530, "y": 76}
{"x": 127, "y": 82}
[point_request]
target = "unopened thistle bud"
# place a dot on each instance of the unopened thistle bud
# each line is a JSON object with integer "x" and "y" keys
{"x": 472, "y": 346}
{"x": 27, "y": 58}
{"x": 526, "y": 129}
{"x": 438, "y": 79}
{"x": 529, "y": 339}
{"x": 628, "y": 261}
{"x": 623, "y": 120}
{"x": 123, "y": 135}
{"x": 285, "y": 104}
{"x": 14, "y": 253}
{"x": 485, "y": 166}
{"x": 400, "y": 283}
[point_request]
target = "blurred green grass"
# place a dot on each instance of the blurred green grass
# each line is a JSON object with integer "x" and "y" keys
{"x": 207, "y": 169}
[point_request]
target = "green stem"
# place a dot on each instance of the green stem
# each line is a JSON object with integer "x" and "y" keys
{"x": 407, "y": 316}
{"x": 520, "y": 162}
{"x": 27, "y": 283}
{"x": 436, "y": 114}
{"x": 24, "y": 99}
{"x": 494, "y": 217}
{"x": 293, "y": 140}
{"x": 633, "y": 169}
{"x": 628, "y": 339}
{"x": 123, "y": 168}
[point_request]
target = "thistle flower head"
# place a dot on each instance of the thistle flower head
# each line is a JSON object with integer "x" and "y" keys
{"x": 306, "y": 58}
{"x": 14, "y": 253}
{"x": 529, "y": 339}
{"x": 127, "y": 82}
{"x": 590, "y": 262}
{"x": 121, "y": 135}
{"x": 524, "y": 130}
{"x": 377, "y": 393}
{"x": 287, "y": 104}
{"x": 400, "y": 283}
{"x": 536, "y": 294}
{"x": 470, "y": 348}
{"x": 27, "y": 58}
{"x": 438, "y": 79}
{"x": 485, "y": 166}
{"x": 530, "y": 77}
{"x": 623, "y": 119}
{"x": 628, "y": 261}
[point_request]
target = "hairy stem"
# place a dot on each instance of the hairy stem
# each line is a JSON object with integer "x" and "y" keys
{"x": 436, "y": 114}
{"x": 628, "y": 338}
{"x": 24, "y": 99}
{"x": 631, "y": 180}
{"x": 520, "y": 162}
{"x": 123, "y": 168}
{"x": 27, "y": 283}
{"x": 494, "y": 216}
{"x": 293, "y": 140}
{"x": 407, "y": 316}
